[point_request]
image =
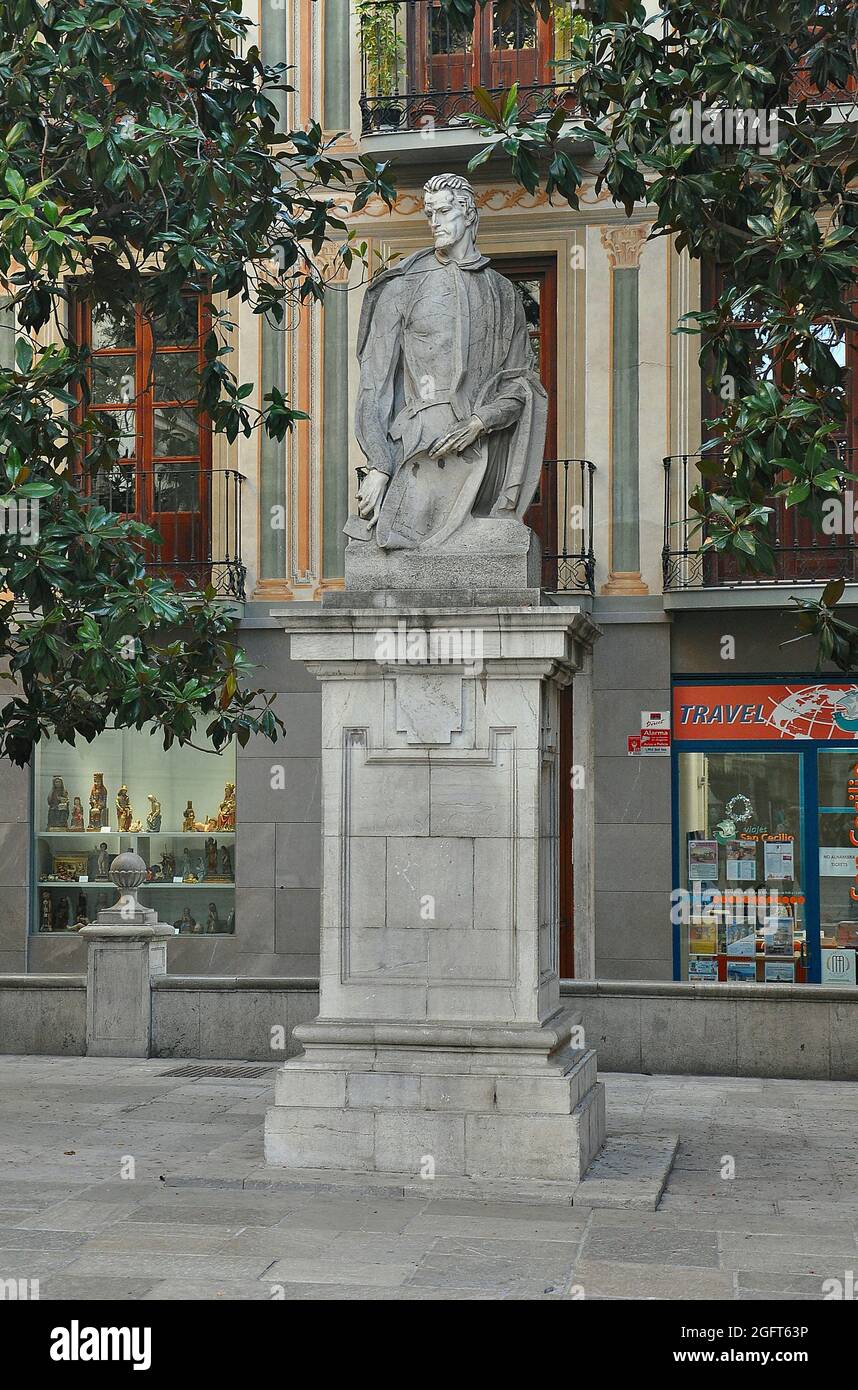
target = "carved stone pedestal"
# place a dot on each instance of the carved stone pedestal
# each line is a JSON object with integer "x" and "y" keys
{"x": 126, "y": 948}
{"x": 440, "y": 1047}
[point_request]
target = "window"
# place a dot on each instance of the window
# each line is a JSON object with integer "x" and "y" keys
{"x": 766, "y": 831}
{"x": 802, "y": 551}
{"x": 124, "y": 792}
{"x": 143, "y": 380}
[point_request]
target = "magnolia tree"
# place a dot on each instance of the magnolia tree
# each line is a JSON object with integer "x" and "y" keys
{"x": 698, "y": 111}
{"x": 141, "y": 157}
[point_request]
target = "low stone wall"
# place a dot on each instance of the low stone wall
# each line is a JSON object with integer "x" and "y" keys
{"x": 802, "y": 1031}
{"x": 251, "y": 1019}
{"x": 796, "y": 1031}
{"x": 43, "y": 1014}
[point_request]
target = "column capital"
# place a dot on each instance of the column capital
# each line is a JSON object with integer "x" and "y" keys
{"x": 624, "y": 243}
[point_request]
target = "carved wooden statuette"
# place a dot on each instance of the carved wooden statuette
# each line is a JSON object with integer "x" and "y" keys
{"x": 124, "y": 812}
{"x": 98, "y": 819}
{"x": 226, "y": 810}
{"x": 58, "y": 806}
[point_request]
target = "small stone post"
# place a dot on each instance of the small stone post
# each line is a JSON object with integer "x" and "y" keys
{"x": 126, "y": 947}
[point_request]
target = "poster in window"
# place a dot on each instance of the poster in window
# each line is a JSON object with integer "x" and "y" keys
{"x": 741, "y": 861}
{"x": 703, "y": 937}
{"x": 701, "y": 968}
{"x": 781, "y": 972}
{"x": 778, "y": 860}
{"x": 702, "y": 860}
{"x": 838, "y": 967}
{"x": 741, "y": 939}
{"x": 740, "y": 971}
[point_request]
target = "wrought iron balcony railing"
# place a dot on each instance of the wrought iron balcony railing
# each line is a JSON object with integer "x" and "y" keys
{"x": 419, "y": 67}
{"x": 573, "y": 564}
{"x": 196, "y": 512}
{"x": 805, "y": 552}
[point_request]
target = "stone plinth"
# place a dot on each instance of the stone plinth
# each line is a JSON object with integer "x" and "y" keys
{"x": 126, "y": 948}
{"x": 489, "y": 553}
{"x": 440, "y": 1045}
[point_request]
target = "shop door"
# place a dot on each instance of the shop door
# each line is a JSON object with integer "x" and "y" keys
{"x": 837, "y": 820}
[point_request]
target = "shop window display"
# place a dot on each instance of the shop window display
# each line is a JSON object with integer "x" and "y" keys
{"x": 123, "y": 791}
{"x": 743, "y": 906}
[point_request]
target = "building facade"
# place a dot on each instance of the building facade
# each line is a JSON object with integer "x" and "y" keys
{"x": 706, "y": 761}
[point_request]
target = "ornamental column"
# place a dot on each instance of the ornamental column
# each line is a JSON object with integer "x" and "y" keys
{"x": 623, "y": 244}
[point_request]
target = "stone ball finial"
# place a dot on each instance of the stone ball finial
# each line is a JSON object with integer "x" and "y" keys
{"x": 128, "y": 871}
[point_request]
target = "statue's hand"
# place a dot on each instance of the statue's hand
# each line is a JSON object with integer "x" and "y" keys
{"x": 371, "y": 495}
{"x": 458, "y": 439}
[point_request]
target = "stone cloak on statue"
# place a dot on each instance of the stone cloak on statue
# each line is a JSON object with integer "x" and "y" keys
{"x": 437, "y": 343}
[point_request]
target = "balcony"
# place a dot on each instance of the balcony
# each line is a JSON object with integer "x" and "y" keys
{"x": 419, "y": 68}
{"x": 196, "y": 512}
{"x": 572, "y": 565}
{"x": 803, "y": 553}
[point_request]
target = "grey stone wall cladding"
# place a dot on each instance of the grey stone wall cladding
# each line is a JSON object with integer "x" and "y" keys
{"x": 44, "y": 1015}
{"x": 803, "y": 1031}
{"x": 14, "y": 866}
{"x": 279, "y": 834}
{"x": 632, "y": 814}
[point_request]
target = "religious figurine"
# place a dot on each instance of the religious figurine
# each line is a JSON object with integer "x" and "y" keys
{"x": 153, "y": 816}
{"x": 189, "y": 819}
{"x": 123, "y": 809}
{"x": 210, "y": 824}
{"x": 212, "y": 921}
{"x": 46, "y": 920}
{"x": 98, "y": 819}
{"x": 188, "y": 875}
{"x": 226, "y": 862}
{"x": 226, "y": 810}
{"x": 136, "y": 826}
{"x": 200, "y": 868}
{"x": 82, "y": 908}
{"x": 168, "y": 866}
{"x": 230, "y": 923}
{"x": 81, "y": 920}
{"x": 211, "y": 858}
{"x": 186, "y": 922}
{"x": 450, "y": 411}
{"x": 102, "y": 863}
{"x": 63, "y": 914}
{"x": 58, "y": 806}
{"x": 77, "y": 815}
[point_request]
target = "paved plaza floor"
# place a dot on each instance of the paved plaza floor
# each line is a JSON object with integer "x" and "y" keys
{"x": 183, "y": 1227}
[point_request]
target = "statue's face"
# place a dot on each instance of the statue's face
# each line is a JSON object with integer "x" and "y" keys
{"x": 447, "y": 218}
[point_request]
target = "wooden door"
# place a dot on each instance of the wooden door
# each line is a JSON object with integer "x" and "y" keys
{"x": 513, "y": 45}
{"x": 144, "y": 377}
{"x": 535, "y": 278}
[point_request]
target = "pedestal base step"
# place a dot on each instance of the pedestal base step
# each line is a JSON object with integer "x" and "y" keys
{"x": 631, "y": 1172}
{"x": 546, "y": 1123}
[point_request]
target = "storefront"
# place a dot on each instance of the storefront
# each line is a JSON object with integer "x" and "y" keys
{"x": 123, "y": 791}
{"x": 765, "y": 817}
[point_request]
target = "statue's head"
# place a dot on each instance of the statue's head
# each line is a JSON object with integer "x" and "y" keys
{"x": 450, "y": 206}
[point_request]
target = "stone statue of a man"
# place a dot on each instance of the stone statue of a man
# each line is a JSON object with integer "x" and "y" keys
{"x": 450, "y": 411}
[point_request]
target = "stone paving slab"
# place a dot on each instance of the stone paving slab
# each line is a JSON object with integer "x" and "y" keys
{"x": 204, "y": 1220}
